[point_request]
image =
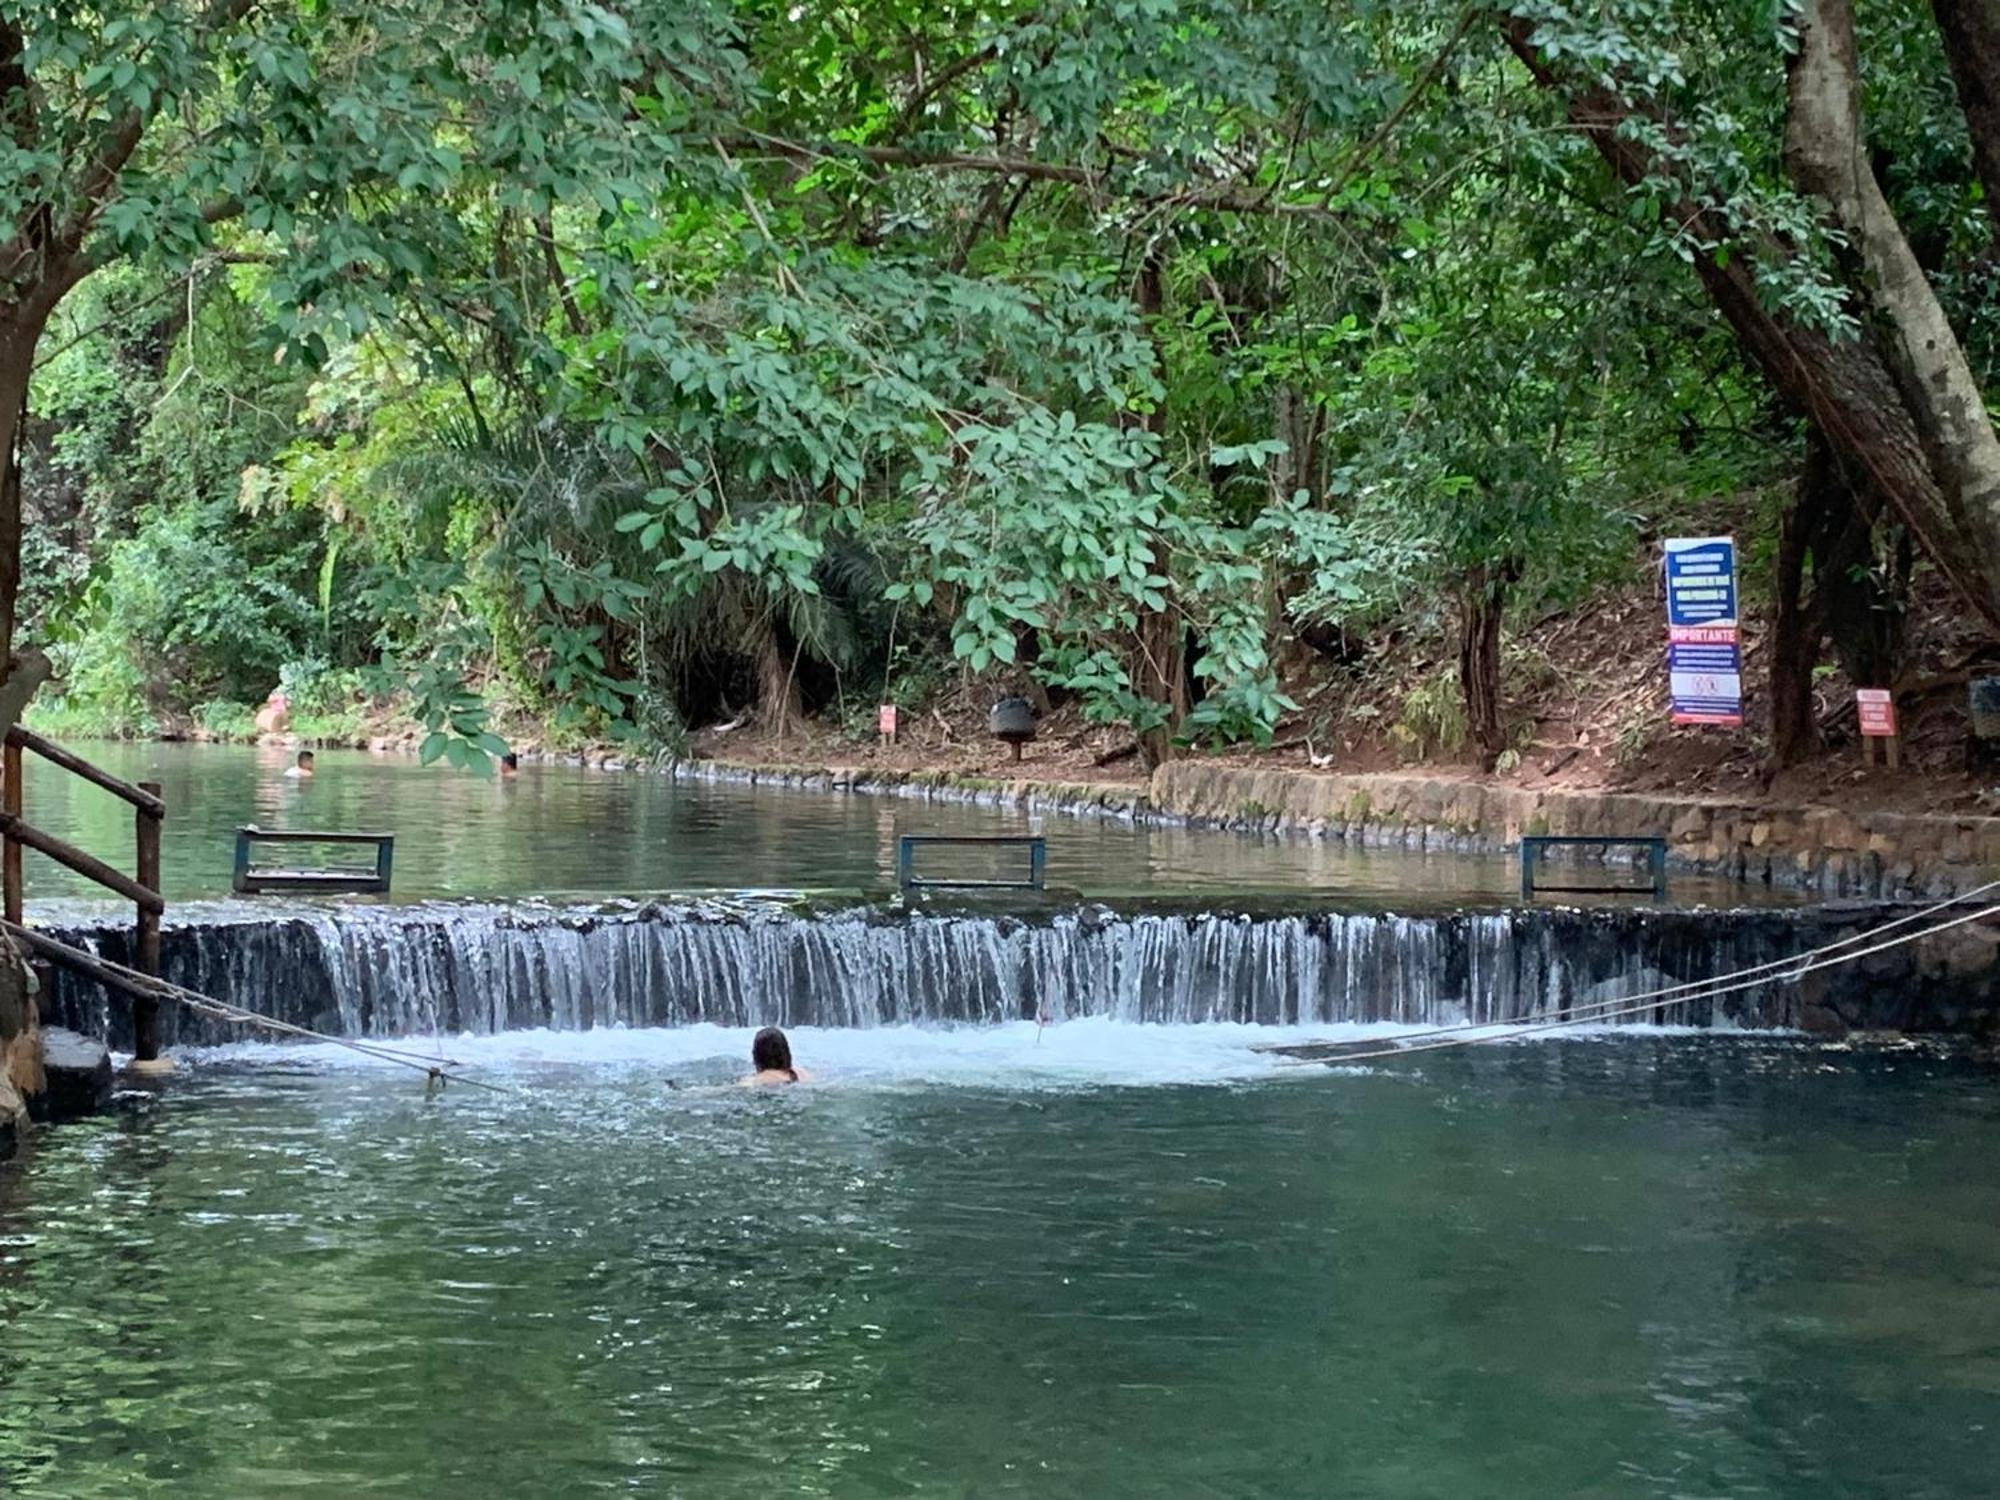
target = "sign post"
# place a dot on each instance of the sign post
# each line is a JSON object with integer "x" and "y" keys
{"x": 1875, "y": 708}
{"x": 1704, "y": 650}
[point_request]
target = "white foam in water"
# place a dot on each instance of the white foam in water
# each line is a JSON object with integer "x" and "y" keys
{"x": 1088, "y": 1052}
{"x": 1082, "y": 1053}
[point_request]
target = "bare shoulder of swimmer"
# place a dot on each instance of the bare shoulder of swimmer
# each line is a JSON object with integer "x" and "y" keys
{"x": 772, "y": 1077}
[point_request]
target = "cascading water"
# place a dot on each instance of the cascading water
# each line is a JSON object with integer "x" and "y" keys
{"x": 394, "y": 971}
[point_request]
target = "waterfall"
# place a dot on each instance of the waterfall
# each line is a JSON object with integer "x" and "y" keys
{"x": 402, "y": 970}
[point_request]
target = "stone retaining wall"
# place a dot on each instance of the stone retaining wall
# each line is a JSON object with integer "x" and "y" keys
{"x": 1128, "y": 803}
{"x": 1830, "y": 850}
{"x": 1833, "y": 851}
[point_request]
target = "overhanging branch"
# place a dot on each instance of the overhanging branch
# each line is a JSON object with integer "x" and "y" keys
{"x": 1219, "y": 198}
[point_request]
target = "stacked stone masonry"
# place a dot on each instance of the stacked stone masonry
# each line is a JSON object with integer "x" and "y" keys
{"x": 1830, "y": 850}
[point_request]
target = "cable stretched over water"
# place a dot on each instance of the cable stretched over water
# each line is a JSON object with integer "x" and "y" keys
{"x": 1506, "y": 1031}
{"x": 119, "y": 976}
{"x": 1693, "y": 988}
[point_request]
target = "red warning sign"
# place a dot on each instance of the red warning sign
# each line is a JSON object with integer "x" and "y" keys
{"x": 1876, "y": 709}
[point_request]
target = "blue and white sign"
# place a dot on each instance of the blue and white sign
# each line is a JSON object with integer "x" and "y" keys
{"x": 1701, "y": 580}
{"x": 1704, "y": 653}
{"x": 1706, "y": 682}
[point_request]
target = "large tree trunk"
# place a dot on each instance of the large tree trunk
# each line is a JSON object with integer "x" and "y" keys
{"x": 1900, "y": 411}
{"x": 1826, "y": 153}
{"x": 1861, "y": 604}
{"x": 1479, "y": 658}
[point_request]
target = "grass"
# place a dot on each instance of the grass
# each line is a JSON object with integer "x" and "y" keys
{"x": 61, "y": 720}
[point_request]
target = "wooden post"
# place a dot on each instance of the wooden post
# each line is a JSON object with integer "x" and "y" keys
{"x": 10, "y": 855}
{"x": 146, "y": 1009}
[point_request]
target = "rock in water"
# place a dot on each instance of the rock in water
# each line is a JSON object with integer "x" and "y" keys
{"x": 13, "y": 1118}
{"x": 79, "y": 1076}
{"x": 1012, "y": 720}
{"x": 275, "y": 717}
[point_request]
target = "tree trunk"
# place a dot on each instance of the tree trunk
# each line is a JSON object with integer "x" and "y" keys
{"x": 1860, "y": 599}
{"x": 1795, "y": 629}
{"x": 1479, "y": 658}
{"x": 1847, "y": 388}
{"x": 1162, "y": 677}
{"x": 777, "y": 685}
{"x": 1971, "y": 32}
{"x": 1862, "y": 605}
{"x": 1826, "y": 154}
{"x": 17, "y": 356}
{"x": 1159, "y": 669}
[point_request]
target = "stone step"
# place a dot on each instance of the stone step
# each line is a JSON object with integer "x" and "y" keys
{"x": 78, "y": 1070}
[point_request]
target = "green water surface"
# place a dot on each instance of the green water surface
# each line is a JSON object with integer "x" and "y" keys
{"x": 1661, "y": 1268}
{"x": 561, "y": 830}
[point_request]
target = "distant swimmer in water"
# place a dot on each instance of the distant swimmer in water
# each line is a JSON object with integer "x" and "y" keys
{"x": 771, "y": 1056}
{"x": 302, "y": 769}
{"x": 510, "y": 766}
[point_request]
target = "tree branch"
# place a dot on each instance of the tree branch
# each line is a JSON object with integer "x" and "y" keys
{"x": 98, "y": 182}
{"x": 1826, "y": 154}
{"x": 1221, "y": 199}
{"x": 1844, "y": 387}
{"x": 1422, "y": 86}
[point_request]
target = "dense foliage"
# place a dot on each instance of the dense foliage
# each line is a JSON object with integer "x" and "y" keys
{"x": 644, "y": 365}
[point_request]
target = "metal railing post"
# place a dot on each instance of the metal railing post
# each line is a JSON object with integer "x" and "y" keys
{"x": 239, "y": 876}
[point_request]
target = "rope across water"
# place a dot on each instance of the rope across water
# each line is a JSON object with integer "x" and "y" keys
{"x": 1826, "y": 956}
{"x": 135, "y": 981}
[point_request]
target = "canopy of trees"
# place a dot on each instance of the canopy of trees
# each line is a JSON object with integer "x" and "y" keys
{"x": 655, "y": 361}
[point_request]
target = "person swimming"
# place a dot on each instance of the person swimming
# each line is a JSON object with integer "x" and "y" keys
{"x": 771, "y": 1056}
{"x": 303, "y": 768}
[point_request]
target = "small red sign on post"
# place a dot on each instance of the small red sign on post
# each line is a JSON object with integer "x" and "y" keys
{"x": 1876, "y": 709}
{"x": 885, "y": 722}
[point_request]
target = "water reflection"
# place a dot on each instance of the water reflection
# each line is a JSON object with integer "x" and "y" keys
{"x": 556, "y": 830}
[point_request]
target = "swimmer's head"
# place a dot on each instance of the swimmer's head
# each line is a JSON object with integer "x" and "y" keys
{"x": 305, "y": 760}
{"x": 771, "y": 1053}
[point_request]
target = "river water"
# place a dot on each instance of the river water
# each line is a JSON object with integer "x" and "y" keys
{"x": 568, "y": 831}
{"x": 1120, "y": 1261}
{"x": 1128, "y": 1254}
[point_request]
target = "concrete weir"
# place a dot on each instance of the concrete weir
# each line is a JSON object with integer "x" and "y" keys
{"x": 446, "y": 967}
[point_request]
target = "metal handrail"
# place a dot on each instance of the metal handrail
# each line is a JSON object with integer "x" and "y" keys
{"x": 1532, "y": 844}
{"x": 906, "y": 857}
{"x": 247, "y": 880}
